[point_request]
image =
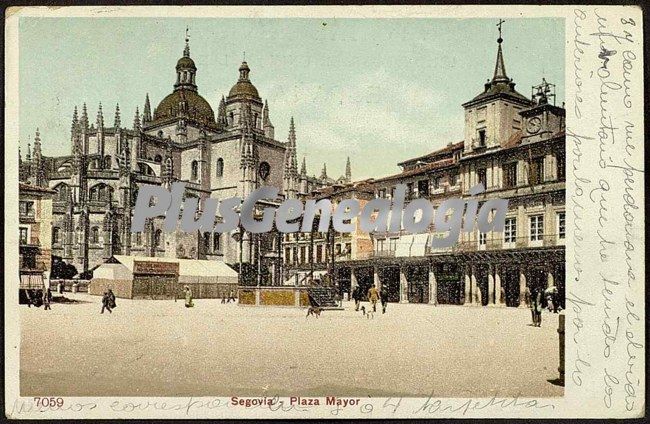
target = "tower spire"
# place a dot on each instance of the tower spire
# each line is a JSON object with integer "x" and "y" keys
{"x": 75, "y": 122}
{"x": 84, "y": 117}
{"x": 303, "y": 168}
{"x": 500, "y": 67}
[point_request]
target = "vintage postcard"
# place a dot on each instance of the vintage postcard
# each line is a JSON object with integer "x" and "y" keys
{"x": 324, "y": 212}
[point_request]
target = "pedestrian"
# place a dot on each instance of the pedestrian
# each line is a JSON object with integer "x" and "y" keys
{"x": 223, "y": 298}
{"x": 356, "y": 296}
{"x": 231, "y": 296}
{"x": 46, "y": 299}
{"x": 111, "y": 299}
{"x": 383, "y": 294}
{"x": 106, "y": 303}
{"x": 61, "y": 286}
{"x": 188, "y": 297}
{"x": 373, "y": 297}
{"x": 537, "y": 305}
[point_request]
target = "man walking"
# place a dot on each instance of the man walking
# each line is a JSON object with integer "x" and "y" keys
{"x": 373, "y": 297}
{"x": 106, "y": 303}
{"x": 46, "y": 299}
{"x": 383, "y": 294}
{"x": 356, "y": 296}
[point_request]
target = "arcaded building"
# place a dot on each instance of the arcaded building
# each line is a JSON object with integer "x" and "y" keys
{"x": 514, "y": 145}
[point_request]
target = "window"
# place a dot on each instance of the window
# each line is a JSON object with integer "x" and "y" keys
{"x": 62, "y": 192}
{"x": 158, "y": 159}
{"x": 409, "y": 190}
{"x": 287, "y": 254}
{"x": 481, "y": 138}
{"x": 337, "y": 249}
{"x": 26, "y": 209}
{"x": 561, "y": 225}
{"x": 392, "y": 244}
{"x": 157, "y": 238}
{"x": 380, "y": 245}
{"x": 510, "y": 175}
{"x": 24, "y": 238}
{"x": 319, "y": 253}
{"x": 303, "y": 254}
{"x": 510, "y": 230}
{"x": 295, "y": 255}
{"x": 482, "y": 177}
{"x": 482, "y": 239}
{"x": 138, "y": 239}
{"x": 195, "y": 170}
{"x": 536, "y": 171}
{"x": 56, "y": 235}
{"x": 220, "y": 167}
{"x": 423, "y": 188}
{"x": 94, "y": 235}
{"x": 382, "y": 193}
{"x": 536, "y": 227}
{"x": 348, "y": 248}
{"x": 107, "y": 162}
{"x": 216, "y": 242}
{"x": 561, "y": 166}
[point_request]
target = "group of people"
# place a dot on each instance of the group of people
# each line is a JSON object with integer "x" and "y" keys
{"x": 34, "y": 298}
{"x": 373, "y": 295}
{"x": 231, "y": 297}
{"x": 540, "y": 299}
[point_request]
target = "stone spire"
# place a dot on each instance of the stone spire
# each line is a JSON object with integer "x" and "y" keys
{"x": 75, "y": 122}
{"x": 269, "y": 130}
{"x": 348, "y": 170}
{"x": 292, "y": 145}
{"x": 146, "y": 114}
{"x": 29, "y": 152}
{"x": 303, "y": 168}
{"x": 136, "y": 120}
{"x": 222, "y": 119}
{"x": 39, "y": 164}
{"x": 323, "y": 174}
{"x": 100, "y": 117}
{"x": 118, "y": 119}
{"x": 84, "y": 119}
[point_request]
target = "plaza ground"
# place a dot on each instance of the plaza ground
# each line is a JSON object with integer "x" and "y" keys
{"x": 161, "y": 348}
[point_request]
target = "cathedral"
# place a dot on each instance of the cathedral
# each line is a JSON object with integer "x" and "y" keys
{"x": 224, "y": 155}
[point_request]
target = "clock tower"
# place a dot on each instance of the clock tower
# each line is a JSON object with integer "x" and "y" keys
{"x": 543, "y": 120}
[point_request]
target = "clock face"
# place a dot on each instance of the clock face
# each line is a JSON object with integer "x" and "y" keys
{"x": 534, "y": 125}
{"x": 264, "y": 170}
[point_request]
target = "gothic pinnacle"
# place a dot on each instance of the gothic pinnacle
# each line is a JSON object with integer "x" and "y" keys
{"x": 84, "y": 117}
{"x": 348, "y": 170}
{"x": 100, "y": 116}
{"x": 118, "y": 119}
{"x": 303, "y": 168}
{"x": 136, "y": 120}
{"x": 146, "y": 113}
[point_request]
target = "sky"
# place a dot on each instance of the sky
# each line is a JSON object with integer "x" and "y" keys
{"x": 377, "y": 90}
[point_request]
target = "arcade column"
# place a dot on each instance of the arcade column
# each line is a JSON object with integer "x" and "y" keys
{"x": 522, "y": 288}
{"x": 403, "y": 286}
{"x": 433, "y": 287}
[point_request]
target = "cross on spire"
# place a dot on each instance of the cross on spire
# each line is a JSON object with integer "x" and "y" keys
{"x": 501, "y": 21}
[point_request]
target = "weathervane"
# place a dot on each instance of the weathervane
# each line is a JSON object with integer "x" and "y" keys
{"x": 187, "y": 34}
{"x": 501, "y": 21}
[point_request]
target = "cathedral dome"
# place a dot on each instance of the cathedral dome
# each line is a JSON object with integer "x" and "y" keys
{"x": 184, "y": 102}
{"x": 244, "y": 87}
{"x": 185, "y": 63}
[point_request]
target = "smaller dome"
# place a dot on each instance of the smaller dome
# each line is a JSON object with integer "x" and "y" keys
{"x": 243, "y": 87}
{"x": 185, "y": 62}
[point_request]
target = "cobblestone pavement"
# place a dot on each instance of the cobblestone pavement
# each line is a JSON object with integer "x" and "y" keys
{"x": 161, "y": 348}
